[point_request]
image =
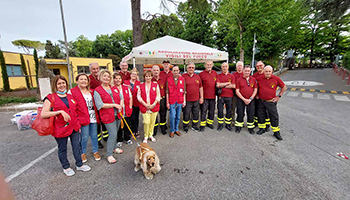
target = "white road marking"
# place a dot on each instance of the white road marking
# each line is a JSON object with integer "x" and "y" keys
{"x": 341, "y": 98}
{"x": 25, "y": 168}
{"x": 324, "y": 96}
{"x": 307, "y": 95}
{"x": 293, "y": 94}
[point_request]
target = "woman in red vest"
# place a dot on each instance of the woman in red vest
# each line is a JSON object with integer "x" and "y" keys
{"x": 87, "y": 114}
{"x": 149, "y": 97}
{"x": 109, "y": 101}
{"x": 134, "y": 84}
{"x": 66, "y": 124}
{"x": 127, "y": 110}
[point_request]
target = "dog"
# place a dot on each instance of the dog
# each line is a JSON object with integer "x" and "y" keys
{"x": 147, "y": 160}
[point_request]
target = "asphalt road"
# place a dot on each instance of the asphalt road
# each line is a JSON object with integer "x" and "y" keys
{"x": 209, "y": 165}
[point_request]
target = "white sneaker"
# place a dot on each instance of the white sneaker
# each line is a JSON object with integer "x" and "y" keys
{"x": 145, "y": 140}
{"x": 69, "y": 172}
{"x": 84, "y": 168}
{"x": 119, "y": 144}
{"x": 129, "y": 142}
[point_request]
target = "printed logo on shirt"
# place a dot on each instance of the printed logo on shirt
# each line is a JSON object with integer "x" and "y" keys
{"x": 252, "y": 85}
{"x": 272, "y": 85}
{"x": 181, "y": 90}
{"x": 161, "y": 86}
{"x": 180, "y": 81}
{"x": 115, "y": 90}
{"x": 229, "y": 80}
{"x": 214, "y": 78}
{"x": 154, "y": 89}
{"x": 197, "y": 81}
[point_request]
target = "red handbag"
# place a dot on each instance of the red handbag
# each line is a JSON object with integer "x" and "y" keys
{"x": 43, "y": 126}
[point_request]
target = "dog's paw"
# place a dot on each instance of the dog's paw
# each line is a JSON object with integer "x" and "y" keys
{"x": 149, "y": 177}
{"x": 137, "y": 169}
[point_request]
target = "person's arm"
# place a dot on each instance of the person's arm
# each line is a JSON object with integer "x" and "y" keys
{"x": 246, "y": 101}
{"x": 157, "y": 98}
{"x": 131, "y": 99}
{"x": 167, "y": 95}
{"x": 277, "y": 98}
{"x": 46, "y": 113}
{"x": 100, "y": 104}
{"x": 139, "y": 98}
{"x": 222, "y": 85}
{"x": 201, "y": 98}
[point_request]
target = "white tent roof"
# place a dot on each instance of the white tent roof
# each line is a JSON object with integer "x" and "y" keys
{"x": 176, "y": 50}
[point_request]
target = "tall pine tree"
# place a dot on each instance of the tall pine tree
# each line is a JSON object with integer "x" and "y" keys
{"x": 5, "y": 78}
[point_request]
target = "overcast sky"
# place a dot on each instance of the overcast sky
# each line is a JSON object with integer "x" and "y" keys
{"x": 41, "y": 19}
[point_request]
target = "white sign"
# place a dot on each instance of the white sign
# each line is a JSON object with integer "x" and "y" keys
{"x": 302, "y": 83}
{"x": 45, "y": 87}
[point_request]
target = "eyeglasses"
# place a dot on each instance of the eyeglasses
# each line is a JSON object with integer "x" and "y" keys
{"x": 259, "y": 65}
{"x": 247, "y": 82}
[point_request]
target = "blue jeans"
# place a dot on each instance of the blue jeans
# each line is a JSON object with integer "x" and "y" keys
{"x": 62, "y": 150}
{"x": 112, "y": 138}
{"x": 175, "y": 112}
{"x": 86, "y": 131}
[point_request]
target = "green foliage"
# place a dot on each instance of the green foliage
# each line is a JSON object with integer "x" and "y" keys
{"x": 36, "y": 60}
{"x": 24, "y": 70}
{"x": 7, "y": 100}
{"x": 28, "y": 44}
{"x": 346, "y": 60}
{"x": 82, "y": 46}
{"x": 5, "y": 78}
{"x": 52, "y": 50}
{"x": 72, "y": 52}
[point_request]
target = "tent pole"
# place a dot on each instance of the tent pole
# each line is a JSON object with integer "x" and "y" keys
{"x": 184, "y": 65}
{"x": 133, "y": 63}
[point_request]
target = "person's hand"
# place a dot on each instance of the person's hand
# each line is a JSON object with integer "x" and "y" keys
{"x": 152, "y": 106}
{"x": 118, "y": 107}
{"x": 80, "y": 130}
{"x": 168, "y": 105}
{"x": 247, "y": 101}
{"x": 184, "y": 104}
{"x": 65, "y": 116}
{"x": 257, "y": 97}
{"x": 201, "y": 100}
{"x": 275, "y": 99}
{"x": 148, "y": 106}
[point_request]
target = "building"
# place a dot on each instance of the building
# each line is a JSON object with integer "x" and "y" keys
{"x": 57, "y": 66}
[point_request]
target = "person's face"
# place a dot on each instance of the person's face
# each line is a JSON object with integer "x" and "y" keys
{"x": 94, "y": 69}
{"x": 106, "y": 78}
{"x": 260, "y": 66}
{"x": 148, "y": 78}
{"x": 61, "y": 85}
{"x": 268, "y": 72}
{"x": 224, "y": 68}
{"x": 82, "y": 81}
{"x": 117, "y": 80}
{"x": 124, "y": 67}
{"x": 176, "y": 71}
{"x": 166, "y": 66}
{"x": 246, "y": 72}
{"x": 190, "y": 69}
{"x": 239, "y": 68}
{"x": 133, "y": 76}
{"x": 208, "y": 66}
{"x": 155, "y": 71}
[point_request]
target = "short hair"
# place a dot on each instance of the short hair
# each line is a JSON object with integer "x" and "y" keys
{"x": 247, "y": 66}
{"x": 134, "y": 70}
{"x": 146, "y": 73}
{"x": 83, "y": 74}
{"x": 240, "y": 62}
{"x": 224, "y": 63}
{"x": 122, "y": 62}
{"x": 191, "y": 63}
{"x": 209, "y": 61}
{"x": 55, "y": 80}
{"x": 117, "y": 74}
{"x": 155, "y": 66}
{"x": 90, "y": 65}
{"x": 267, "y": 66}
{"x": 174, "y": 67}
{"x": 103, "y": 72}
{"x": 261, "y": 62}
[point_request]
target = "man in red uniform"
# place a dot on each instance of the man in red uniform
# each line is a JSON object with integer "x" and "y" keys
{"x": 94, "y": 83}
{"x": 267, "y": 94}
{"x": 260, "y": 74}
{"x": 193, "y": 98}
{"x": 246, "y": 90}
{"x": 238, "y": 74}
{"x": 227, "y": 82}
{"x": 162, "y": 111}
{"x": 166, "y": 73}
{"x": 124, "y": 70}
{"x": 208, "y": 77}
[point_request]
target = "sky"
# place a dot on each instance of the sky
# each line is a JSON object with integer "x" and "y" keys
{"x": 40, "y": 20}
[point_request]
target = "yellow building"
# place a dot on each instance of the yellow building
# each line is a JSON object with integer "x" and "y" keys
{"x": 58, "y": 66}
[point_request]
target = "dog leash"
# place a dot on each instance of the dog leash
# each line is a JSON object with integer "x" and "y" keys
{"x": 129, "y": 128}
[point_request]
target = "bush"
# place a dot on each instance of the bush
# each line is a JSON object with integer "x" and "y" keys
{"x": 5, "y": 78}
{"x": 6, "y": 100}
{"x": 346, "y": 60}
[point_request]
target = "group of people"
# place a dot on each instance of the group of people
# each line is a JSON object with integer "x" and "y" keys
{"x": 106, "y": 105}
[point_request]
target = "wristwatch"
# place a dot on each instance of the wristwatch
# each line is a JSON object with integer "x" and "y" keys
{"x": 279, "y": 96}
{"x": 251, "y": 98}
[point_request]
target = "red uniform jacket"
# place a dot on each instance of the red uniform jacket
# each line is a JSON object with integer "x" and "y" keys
{"x": 152, "y": 96}
{"x": 176, "y": 92}
{"x": 107, "y": 114}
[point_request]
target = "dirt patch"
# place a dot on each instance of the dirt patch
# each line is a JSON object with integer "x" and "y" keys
{"x": 19, "y": 93}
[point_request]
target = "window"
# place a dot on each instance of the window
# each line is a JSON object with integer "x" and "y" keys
{"x": 14, "y": 70}
{"x": 102, "y": 67}
{"x": 56, "y": 71}
{"x": 83, "y": 69}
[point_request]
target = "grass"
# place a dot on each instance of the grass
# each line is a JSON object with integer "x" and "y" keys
{"x": 7, "y": 100}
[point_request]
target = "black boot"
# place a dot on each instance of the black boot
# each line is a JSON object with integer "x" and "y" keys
{"x": 251, "y": 131}
{"x": 277, "y": 135}
{"x": 228, "y": 127}
{"x": 261, "y": 131}
{"x": 202, "y": 129}
{"x": 195, "y": 128}
{"x": 238, "y": 129}
{"x": 186, "y": 129}
{"x": 267, "y": 129}
{"x": 220, "y": 127}
{"x": 100, "y": 145}
{"x": 163, "y": 128}
{"x": 155, "y": 130}
{"x": 210, "y": 126}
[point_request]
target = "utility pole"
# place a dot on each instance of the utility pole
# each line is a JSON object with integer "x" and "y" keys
{"x": 253, "y": 63}
{"x": 66, "y": 44}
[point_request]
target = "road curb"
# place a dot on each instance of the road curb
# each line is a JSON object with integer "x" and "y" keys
{"x": 321, "y": 91}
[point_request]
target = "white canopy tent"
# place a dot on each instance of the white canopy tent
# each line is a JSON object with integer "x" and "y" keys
{"x": 176, "y": 50}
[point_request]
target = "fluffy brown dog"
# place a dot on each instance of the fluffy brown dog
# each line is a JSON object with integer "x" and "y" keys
{"x": 147, "y": 160}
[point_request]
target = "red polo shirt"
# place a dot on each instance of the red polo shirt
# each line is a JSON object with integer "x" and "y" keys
{"x": 192, "y": 86}
{"x": 94, "y": 83}
{"x": 208, "y": 81}
{"x": 237, "y": 76}
{"x": 162, "y": 84}
{"x": 165, "y": 75}
{"x": 125, "y": 75}
{"x": 268, "y": 87}
{"x": 258, "y": 76}
{"x": 223, "y": 78}
{"x": 245, "y": 89}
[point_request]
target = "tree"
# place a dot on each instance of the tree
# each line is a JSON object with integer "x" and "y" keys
{"x": 5, "y": 78}
{"x": 36, "y": 60}
{"x": 28, "y": 44}
{"x": 71, "y": 50}
{"x": 24, "y": 70}
{"x": 83, "y": 46}
{"x": 52, "y": 51}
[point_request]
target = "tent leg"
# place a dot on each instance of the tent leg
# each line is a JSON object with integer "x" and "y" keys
{"x": 184, "y": 65}
{"x": 133, "y": 63}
